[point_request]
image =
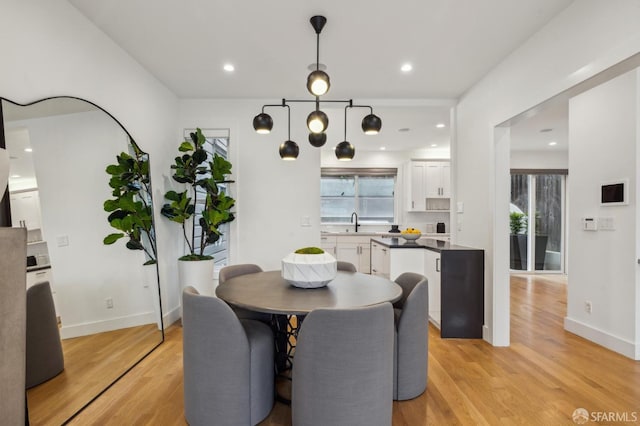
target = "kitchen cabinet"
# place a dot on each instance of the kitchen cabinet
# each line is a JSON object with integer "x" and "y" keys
{"x": 416, "y": 188}
{"x": 380, "y": 260}
{"x": 25, "y": 210}
{"x": 455, "y": 275}
{"x": 427, "y": 180}
{"x": 432, "y": 272}
{"x": 456, "y": 292}
{"x": 437, "y": 177}
{"x": 328, "y": 243}
{"x": 40, "y": 276}
{"x": 356, "y": 250}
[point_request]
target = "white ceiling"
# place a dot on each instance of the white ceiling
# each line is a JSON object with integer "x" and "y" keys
{"x": 451, "y": 44}
{"x": 537, "y": 129}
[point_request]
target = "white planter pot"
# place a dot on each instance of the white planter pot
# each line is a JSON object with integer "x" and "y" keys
{"x": 309, "y": 270}
{"x": 197, "y": 273}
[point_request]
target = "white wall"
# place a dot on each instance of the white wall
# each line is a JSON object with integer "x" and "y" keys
{"x": 70, "y": 153}
{"x": 539, "y": 159}
{"x": 586, "y": 38}
{"x": 603, "y": 139}
{"x": 51, "y": 49}
{"x": 272, "y": 195}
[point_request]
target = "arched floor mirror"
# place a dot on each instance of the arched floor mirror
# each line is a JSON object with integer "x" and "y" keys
{"x": 106, "y": 297}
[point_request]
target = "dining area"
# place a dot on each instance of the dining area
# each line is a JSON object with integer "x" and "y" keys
{"x": 340, "y": 353}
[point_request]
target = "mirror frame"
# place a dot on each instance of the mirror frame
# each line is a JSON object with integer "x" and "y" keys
{"x": 5, "y": 221}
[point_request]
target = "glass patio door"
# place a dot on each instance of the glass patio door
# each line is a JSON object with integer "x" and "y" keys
{"x": 537, "y": 209}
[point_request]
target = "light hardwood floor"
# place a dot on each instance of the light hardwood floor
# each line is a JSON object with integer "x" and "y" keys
{"x": 91, "y": 363}
{"x": 540, "y": 379}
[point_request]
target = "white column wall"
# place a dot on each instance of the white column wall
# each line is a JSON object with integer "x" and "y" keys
{"x": 603, "y": 144}
{"x": 586, "y": 38}
{"x": 50, "y": 49}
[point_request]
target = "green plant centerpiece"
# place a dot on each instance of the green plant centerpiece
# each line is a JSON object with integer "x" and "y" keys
{"x": 202, "y": 176}
{"x": 130, "y": 211}
{"x": 309, "y": 250}
{"x": 309, "y": 267}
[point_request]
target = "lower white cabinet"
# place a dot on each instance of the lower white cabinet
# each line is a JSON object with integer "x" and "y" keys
{"x": 356, "y": 250}
{"x": 328, "y": 243}
{"x": 432, "y": 272}
{"x": 40, "y": 276}
{"x": 380, "y": 260}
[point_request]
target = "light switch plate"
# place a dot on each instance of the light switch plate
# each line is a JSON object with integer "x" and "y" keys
{"x": 305, "y": 221}
{"x": 62, "y": 240}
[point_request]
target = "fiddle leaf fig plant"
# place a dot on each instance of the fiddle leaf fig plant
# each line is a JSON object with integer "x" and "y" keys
{"x": 203, "y": 177}
{"x": 130, "y": 211}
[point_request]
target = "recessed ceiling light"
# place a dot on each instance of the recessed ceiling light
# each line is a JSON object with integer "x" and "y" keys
{"x": 406, "y": 67}
{"x": 28, "y": 150}
{"x": 440, "y": 125}
{"x": 546, "y": 130}
{"x": 434, "y": 145}
{"x": 229, "y": 67}
{"x": 404, "y": 129}
{"x": 553, "y": 143}
{"x": 15, "y": 176}
{"x": 382, "y": 148}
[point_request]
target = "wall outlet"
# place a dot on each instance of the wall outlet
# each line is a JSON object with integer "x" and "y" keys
{"x": 588, "y": 307}
{"x": 109, "y": 302}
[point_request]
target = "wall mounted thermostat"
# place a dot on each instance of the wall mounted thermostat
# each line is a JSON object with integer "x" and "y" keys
{"x": 589, "y": 224}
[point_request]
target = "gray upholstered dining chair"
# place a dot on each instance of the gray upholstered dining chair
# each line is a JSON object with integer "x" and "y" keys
{"x": 228, "y": 272}
{"x": 343, "y": 367}
{"x": 44, "y": 357}
{"x": 346, "y": 266}
{"x": 228, "y": 364}
{"x": 411, "y": 337}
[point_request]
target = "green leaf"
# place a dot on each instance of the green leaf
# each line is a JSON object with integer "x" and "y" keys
{"x": 110, "y": 205}
{"x": 112, "y": 238}
{"x": 185, "y": 146}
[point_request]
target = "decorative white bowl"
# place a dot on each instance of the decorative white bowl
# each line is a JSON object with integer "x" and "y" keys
{"x": 309, "y": 270}
{"x": 410, "y": 237}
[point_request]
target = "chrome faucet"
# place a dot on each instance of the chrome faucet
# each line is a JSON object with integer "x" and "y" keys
{"x": 356, "y": 215}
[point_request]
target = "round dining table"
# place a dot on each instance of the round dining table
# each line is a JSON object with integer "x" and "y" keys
{"x": 270, "y": 293}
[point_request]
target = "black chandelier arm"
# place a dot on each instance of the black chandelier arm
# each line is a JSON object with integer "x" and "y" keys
{"x": 288, "y": 120}
{"x": 345, "y": 120}
{"x": 363, "y": 106}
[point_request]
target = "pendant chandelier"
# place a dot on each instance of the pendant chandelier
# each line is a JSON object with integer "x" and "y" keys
{"x": 318, "y": 84}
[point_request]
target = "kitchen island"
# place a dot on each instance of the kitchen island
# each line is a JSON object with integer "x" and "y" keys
{"x": 455, "y": 274}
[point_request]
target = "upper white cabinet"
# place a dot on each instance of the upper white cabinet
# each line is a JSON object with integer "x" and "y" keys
{"x": 427, "y": 179}
{"x": 438, "y": 180}
{"x": 417, "y": 191}
{"x": 25, "y": 210}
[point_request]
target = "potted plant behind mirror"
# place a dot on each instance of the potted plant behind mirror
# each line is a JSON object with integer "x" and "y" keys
{"x": 203, "y": 176}
{"x": 130, "y": 212}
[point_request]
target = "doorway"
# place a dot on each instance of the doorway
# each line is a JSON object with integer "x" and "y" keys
{"x": 537, "y": 220}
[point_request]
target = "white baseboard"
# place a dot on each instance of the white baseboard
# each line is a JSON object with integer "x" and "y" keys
{"x": 602, "y": 338}
{"x": 172, "y": 316}
{"x": 487, "y": 335}
{"x": 84, "y": 329}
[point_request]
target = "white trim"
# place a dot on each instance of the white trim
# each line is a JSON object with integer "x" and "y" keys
{"x": 93, "y": 327}
{"x": 172, "y": 316}
{"x": 602, "y": 338}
